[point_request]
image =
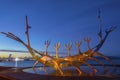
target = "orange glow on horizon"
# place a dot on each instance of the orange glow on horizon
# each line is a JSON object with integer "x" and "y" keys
{"x": 14, "y": 54}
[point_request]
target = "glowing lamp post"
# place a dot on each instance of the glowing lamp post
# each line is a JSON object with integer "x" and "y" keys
{"x": 16, "y": 60}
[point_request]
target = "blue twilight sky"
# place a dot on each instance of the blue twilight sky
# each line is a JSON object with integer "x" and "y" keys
{"x": 60, "y": 21}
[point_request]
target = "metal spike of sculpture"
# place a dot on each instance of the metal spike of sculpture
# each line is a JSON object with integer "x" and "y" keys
{"x": 74, "y": 61}
{"x": 78, "y": 46}
{"x": 57, "y": 46}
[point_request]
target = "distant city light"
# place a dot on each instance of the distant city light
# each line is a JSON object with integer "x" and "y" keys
{"x": 16, "y": 59}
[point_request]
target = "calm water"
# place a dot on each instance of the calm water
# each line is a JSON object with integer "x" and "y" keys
{"x": 19, "y": 64}
{"x": 30, "y": 63}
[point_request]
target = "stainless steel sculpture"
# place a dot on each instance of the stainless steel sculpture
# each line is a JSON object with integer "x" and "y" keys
{"x": 75, "y": 61}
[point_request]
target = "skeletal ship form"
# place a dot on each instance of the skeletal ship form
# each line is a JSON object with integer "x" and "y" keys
{"x": 74, "y": 61}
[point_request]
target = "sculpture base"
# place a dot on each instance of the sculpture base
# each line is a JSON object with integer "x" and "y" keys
{"x": 72, "y": 72}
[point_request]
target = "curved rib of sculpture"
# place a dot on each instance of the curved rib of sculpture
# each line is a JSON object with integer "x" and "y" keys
{"x": 58, "y": 63}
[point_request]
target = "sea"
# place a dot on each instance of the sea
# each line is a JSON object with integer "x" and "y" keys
{"x": 30, "y": 63}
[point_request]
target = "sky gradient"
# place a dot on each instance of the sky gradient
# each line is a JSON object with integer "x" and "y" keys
{"x": 61, "y": 21}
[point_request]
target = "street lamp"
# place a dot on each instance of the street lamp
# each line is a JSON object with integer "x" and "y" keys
{"x": 16, "y": 62}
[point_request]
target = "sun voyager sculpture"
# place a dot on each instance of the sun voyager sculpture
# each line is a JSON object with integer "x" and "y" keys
{"x": 60, "y": 64}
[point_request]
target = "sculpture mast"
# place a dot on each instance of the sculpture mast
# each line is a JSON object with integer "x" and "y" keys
{"x": 100, "y": 24}
{"x": 27, "y": 31}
